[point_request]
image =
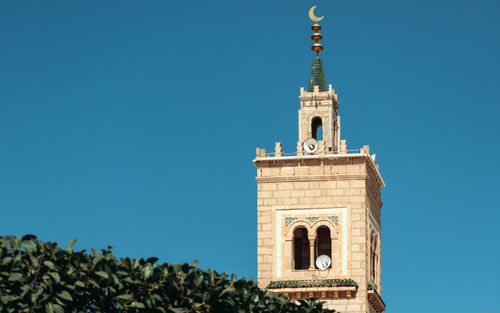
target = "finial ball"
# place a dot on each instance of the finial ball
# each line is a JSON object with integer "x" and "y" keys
{"x": 317, "y": 48}
{"x": 316, "y": 37}
{"x": 316, "y": 27}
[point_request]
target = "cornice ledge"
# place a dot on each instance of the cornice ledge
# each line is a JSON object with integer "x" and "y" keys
{"x": 312, "y": 156}
{"x": 272, "y": 179}
{"x": 334, "y": 292}
{"x": 323, "y": 156}
{"x": 376, "y": 301}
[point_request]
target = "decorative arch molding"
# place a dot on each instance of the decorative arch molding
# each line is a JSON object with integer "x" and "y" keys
{"x": 326, "y": 223}
{"x": 297, "y": 224}
{"x": 291, "y": 223}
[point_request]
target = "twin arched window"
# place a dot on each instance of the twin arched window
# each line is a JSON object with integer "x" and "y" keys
{"x": 304, "y": 248}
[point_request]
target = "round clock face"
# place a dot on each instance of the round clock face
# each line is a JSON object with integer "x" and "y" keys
{"x": 310, "y": 145}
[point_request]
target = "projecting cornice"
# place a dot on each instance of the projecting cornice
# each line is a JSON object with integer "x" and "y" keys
{"x": 275, "y": 161}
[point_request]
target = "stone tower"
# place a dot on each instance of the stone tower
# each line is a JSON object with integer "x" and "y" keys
{"x": 322, "y": 201}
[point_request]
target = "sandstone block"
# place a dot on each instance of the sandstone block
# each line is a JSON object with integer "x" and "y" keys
{"x": 358, "y": 184}
{"x": 270, "y": 201}
{"x": 298, "y": 193}
{"x": 301, "y": 185}
{"x": 264, "y": 194}
{"x": 269, "y": 186}
{"x": 287, "y": 171}
{"x": 282, "y": 194}
{"x": 313, "y": 193}
{"x": 285, "y": 186}
{"x": 290, "y": 201}
{"x": 316, "y": 170}
{"x": 328, "y": 184}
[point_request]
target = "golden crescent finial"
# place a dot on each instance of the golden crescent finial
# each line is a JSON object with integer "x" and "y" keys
{"x": 313, "y": 17}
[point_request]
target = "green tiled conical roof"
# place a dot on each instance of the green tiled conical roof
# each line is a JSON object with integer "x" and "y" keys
{"x": 317, "y": 76}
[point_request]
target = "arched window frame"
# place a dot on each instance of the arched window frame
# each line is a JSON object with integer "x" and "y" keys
{"x": 316, "y": 124}
{"x": 307, "y": 264}
{"x": 323, "y": 242}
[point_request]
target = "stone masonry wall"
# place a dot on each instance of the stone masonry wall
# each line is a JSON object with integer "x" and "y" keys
{"x": 301, "y": 184}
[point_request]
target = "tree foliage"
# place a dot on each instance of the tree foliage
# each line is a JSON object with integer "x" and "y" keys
{"x": 38, "y": 276}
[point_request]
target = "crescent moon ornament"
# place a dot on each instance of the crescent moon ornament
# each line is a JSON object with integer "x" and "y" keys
{"x": 313, "y": 17}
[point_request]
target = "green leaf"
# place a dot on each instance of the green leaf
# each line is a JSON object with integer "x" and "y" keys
{"x": 124, "y": 297}
{"x": 97, "y": 259}
{"x": 4, "y": 299}
{"x": 58, "y": 308}
{"x": 102, "y": 274}
{"x": 148, "y": 271}
{"x": 34, "y": 296}
{"x": 25, "y": 290}
{"x": 65, "y": 295}
{"x": 156, "y": 297}
{"x": 79, "y": 284}
{"x": 15, "y": 276}
{"x": 6, "y": 260}
{"x": 152, "y": 260}
{"x": 34, "y": 260}
{"x": 137, "y": 305}
{"x": 55, "y": 276}
{"x": 28, "y": 243}
{"x": 69, "y": 246}
{"x": 115, "y": 279}
{"x": 28, "y": 237}
{"x": 49, "y": 264}
{"x": 49, "y": 308}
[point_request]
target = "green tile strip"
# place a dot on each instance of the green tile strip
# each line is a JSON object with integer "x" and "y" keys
{"x": 312, "y": 283}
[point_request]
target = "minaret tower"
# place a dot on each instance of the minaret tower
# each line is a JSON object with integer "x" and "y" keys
{"x": 319, "y": 209}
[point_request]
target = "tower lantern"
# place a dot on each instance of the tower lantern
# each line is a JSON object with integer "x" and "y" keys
{"x": 319, "y": 209}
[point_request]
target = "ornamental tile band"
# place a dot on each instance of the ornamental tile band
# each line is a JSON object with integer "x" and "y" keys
{"x": 334, "y": 219}
{"x": 312, "y": 219}
{"x": 289, "y": 220}
{"x": 312, "y": 283}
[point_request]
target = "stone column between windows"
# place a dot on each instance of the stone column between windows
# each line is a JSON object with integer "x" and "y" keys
{"x": 333, "y": 255}
{"x": 311, "y": 253}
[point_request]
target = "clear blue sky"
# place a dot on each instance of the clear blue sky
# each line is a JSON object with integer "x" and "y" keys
{"x": 134, "y": 124}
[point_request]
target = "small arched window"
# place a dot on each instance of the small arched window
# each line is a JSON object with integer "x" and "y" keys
{"x": 323, "y": 243}
{"x": 301, "y": 255}
{"x": 317, "y": 128}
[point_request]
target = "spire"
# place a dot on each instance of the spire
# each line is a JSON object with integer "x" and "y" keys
{"x": 317, "y": 76}
{"x": 317, "y": 73}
